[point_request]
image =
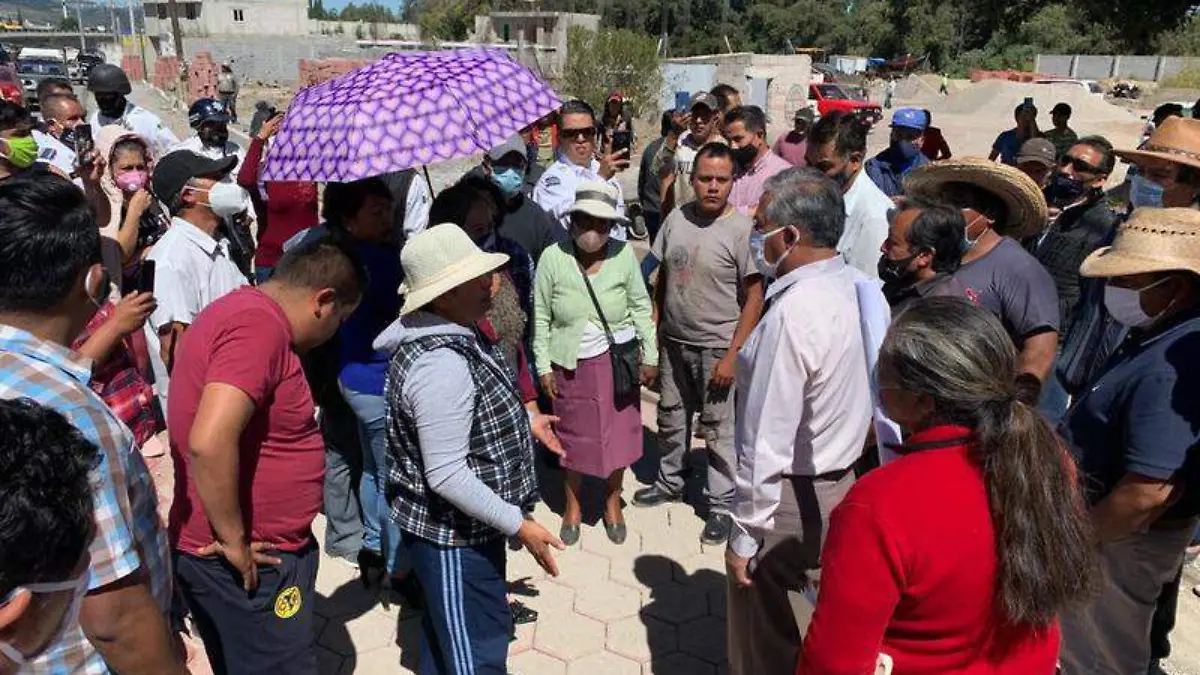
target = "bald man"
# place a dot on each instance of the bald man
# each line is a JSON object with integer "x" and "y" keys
{"x": 61, "y": 113}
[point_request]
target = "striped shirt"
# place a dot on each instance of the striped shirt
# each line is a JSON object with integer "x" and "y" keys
{"x": 128, "y": 534}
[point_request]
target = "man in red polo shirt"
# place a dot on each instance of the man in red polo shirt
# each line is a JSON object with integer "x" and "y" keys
{"x": 251, "y": 461}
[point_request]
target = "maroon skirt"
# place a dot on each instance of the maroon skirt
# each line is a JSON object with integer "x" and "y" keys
{"x": 600, "y": 433}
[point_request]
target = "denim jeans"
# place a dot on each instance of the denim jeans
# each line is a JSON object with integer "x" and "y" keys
{"x": 343, "y": 468}
{"x": 379, "y": 533}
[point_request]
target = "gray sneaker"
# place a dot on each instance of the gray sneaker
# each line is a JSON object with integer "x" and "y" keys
{"x": 637, "y": 228}
{"x": 716, "y": 530}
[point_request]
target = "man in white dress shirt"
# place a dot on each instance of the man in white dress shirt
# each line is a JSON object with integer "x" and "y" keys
{"x": 802, "y": 416}
{"x": 555, "y": 190}
{"x": 837, "y": 146}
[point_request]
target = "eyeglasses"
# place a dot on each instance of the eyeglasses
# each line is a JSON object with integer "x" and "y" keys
{"x": 588, "y": 133}
{"x": 1077, "y": 164}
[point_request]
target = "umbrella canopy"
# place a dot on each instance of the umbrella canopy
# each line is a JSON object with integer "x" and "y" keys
{"x": 407, "y": 109}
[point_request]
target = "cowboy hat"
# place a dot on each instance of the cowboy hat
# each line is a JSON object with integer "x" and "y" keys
{"x": 1022, "y": 198}
{"x": 1152, "y": 240}
{"x": 438, "y": 260}
{"x": 1176, "y": 140}
{"x": 597, "y": 199}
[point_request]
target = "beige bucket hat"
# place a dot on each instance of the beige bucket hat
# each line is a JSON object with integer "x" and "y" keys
{"x": 1027, "y": 212}
{"x": 598, "y": 199}
{"x": 439, "y": 260}
{"x": 1152, "y": 240}
{"x": 1177, "y": 140}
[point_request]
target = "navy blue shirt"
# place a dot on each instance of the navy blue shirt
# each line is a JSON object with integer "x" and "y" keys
{"x": 1008, "y": 144}
{"x": 1142, "y": 415}
{"x": 888, "y": 169}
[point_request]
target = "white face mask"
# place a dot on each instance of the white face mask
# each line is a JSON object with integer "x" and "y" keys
{"x": 590, "y": 241}
{"x": 70, "y": 618}
{"x": 1125, "y": 304}
{"x": 225, "y": 199}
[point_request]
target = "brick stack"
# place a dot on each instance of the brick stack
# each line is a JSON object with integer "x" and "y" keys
{"x": 166, "y": 71}
{"x": 316, "y": 71}
{"x": 132, "y": 65}
{"x": 1010, "y": 75}
{"x": 202, "y": 77}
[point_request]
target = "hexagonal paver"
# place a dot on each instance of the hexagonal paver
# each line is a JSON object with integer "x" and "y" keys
{"x": 704, "y": 638}
{"x": 704, "y": 569}
{"x": 349, "y": 599}
{"x": 360, "y": 634}
{"x": 569, "y": 639}
{"x": 594, "y": 540}
{"x": 608, "y": 601}
{"x": 641, "y": 638}
{"x": 578, "y": 569}
{"x": 678, "y": 664}
{"x": 676, "y": 604}
{"x": 521, "y": 565}
{"x": 646, "y": 571}
{"x": 604, "y": 662}
{"x": 384, "y": 661}
{"x": 718, "y": 602}
{"x": 536, "y": 663}
{"x": 551, "y": 598}
{"x": 524, "y": 641}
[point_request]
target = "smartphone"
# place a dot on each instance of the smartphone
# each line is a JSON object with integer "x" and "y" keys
{"x": 145, "y": 277}
{"x": 621, "y": 140}
{"x": 84, "y": 143}
{"x": 682, "y": 99}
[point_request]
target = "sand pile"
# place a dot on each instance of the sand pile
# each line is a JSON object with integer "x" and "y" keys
{"x": 994, "y": 96}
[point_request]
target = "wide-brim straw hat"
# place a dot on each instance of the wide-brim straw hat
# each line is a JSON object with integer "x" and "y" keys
{"x": 1176, "y": 140}
{"x": 439, "y": 260}
{"x": 598, "y": 199}
{"x": 1152, "y": 240}
{"x": 1022, "y": 198}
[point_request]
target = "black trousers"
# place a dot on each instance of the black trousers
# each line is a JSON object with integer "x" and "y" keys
{"x": 267, "y": 631}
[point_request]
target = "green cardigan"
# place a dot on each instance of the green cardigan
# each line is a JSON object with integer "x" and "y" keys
{"x": 562, "y": 307}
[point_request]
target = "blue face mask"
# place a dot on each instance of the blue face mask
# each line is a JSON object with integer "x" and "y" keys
{"x": 1145, "y": 192}
{"x": 907, "y": 150}
{"x": 509, "y": 181}
{"x": 758, "y": 242}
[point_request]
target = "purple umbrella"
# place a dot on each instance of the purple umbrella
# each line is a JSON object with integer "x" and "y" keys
{"x": 405, "y": 110}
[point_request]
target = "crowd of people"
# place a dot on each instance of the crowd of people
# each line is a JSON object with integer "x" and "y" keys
{"x": 945, "y": 400}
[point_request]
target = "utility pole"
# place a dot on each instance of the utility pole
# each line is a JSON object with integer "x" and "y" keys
{"x": 79, "y": 20}
{"x": 176, "y": 32}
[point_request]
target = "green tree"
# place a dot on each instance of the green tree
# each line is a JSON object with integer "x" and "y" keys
{"x": 69, "y": 24}
{"x": 613, "y": 59}
{"x": 1183, "y": 40}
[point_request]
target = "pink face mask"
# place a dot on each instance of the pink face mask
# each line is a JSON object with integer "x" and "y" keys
{"x": 132, "y": 181}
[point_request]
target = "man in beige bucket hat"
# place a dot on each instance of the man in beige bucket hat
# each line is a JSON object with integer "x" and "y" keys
{"x": 460, "y": 446}
{"x": 1168, "y": 166}
{"x": 1132, "y": 432}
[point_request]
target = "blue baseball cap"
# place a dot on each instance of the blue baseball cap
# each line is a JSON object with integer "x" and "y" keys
{"x": 910, "y": 118}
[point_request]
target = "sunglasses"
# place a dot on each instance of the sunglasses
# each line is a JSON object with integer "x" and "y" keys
{"x": 1077, "y": 164}
{"x": 588, "y": 133}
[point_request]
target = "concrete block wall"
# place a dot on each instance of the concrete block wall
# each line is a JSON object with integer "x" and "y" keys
{"x": 316, "y": 71}
{"x": 271, "y": 59}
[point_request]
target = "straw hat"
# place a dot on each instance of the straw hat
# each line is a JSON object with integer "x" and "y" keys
{"x": 1152, "y": 240}
{"x": 1027, "y": 213}
{"x": 439, "y": 260}
{"x": 1176, "y": 140}
{"x": 598, "y": 199}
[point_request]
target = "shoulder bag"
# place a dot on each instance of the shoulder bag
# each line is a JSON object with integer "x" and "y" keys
{"x": 625, "y": 355}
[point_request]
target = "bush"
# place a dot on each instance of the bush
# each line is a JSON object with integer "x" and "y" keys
{"x": 613, "y": 60}
{"x": 1188, "y": 78}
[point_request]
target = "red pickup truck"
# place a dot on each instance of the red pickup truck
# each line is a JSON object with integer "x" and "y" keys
{"x": 829, "y": 97}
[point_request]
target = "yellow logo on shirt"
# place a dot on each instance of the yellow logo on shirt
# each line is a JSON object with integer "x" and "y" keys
{"x": 288, "y": 602}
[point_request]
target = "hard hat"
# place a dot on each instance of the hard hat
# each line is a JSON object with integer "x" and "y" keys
{"x": 105, "y": 78}
{"x": 207, "y": 110}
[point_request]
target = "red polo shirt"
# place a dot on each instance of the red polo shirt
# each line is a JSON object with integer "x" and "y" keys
{"x": 244, "y": 340}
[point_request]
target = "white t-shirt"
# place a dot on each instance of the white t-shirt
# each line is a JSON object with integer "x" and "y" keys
{"x": 866, "y": 225}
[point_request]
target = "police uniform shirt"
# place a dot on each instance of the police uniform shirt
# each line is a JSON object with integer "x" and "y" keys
{"x": 555, "y": 191}
{"x": 141, "y": 122}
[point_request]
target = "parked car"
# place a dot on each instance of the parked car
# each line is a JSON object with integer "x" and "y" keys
{"x": 829, "y": 97}
{"x": 1090, "y": 86}
{"x": 36, "y": 64}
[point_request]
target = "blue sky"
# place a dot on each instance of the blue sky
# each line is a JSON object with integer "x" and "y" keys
{"x": 394, "y": 5}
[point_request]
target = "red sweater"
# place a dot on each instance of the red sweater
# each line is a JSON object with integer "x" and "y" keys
{"x": 289, "y": 207}
{"x": 909, "y": 570}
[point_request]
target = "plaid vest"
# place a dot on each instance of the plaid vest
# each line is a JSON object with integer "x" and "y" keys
{"x": 500, "y": 453}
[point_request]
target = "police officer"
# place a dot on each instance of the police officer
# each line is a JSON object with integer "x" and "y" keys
{"x": 110, "y": 87}
{"x": 555, "y": 191}
{"x": 210, "y": 120}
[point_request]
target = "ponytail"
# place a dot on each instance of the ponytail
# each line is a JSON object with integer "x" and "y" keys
{"x": 1043, "y": 531}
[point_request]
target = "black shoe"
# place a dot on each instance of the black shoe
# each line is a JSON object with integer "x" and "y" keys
{"x": 654, "y": 496}
{"x": 372, "y": 568}
{"x": 409, "y": 589}
{"x": 522, "y": 614}
{"x": 716, "y": 530}
{"x": 569, "y": 533}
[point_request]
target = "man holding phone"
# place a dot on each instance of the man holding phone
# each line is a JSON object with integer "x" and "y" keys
{"x": 1008, "y": 144}
{"x": 699, "y": 124}
{"x": 62, "y": 114}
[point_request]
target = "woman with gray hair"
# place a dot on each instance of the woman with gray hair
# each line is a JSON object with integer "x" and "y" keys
{"x": 961, "y": 555}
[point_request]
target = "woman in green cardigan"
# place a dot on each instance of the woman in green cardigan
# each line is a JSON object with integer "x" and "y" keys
{"x": 601, "y": 431}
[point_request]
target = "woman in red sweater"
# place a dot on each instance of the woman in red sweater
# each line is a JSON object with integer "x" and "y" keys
{"x": 959, "y": 556}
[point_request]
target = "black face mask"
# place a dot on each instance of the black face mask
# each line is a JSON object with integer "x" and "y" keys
{"x": 213, "y": 137}
{"x": 111, "y": 106}
{"x": 1064, "y": 190}
{"x": 743, "y": 158}
{"x": 894, "y": 271}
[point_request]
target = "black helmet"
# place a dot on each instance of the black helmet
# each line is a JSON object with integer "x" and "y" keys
{"x": 105, "y": 78}
{"x": 207, "y": 110}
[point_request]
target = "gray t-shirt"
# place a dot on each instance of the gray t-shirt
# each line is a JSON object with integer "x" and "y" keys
{"x": 1015, "y": 287}
{"x": 705, "y": 262}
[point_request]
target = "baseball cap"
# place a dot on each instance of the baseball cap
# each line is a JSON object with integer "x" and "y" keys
{"x": 805, "y": 114}
{"x": 705, "y": 99}
{"x": 175, "y": 169}
{"x": 512, "y": 144}
{"x": 910, "y": 118}
{"x": 1037, "y": 150}
{"x": 1061, "y": 108}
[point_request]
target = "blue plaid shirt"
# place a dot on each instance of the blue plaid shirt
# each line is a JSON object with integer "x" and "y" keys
{"x": 129, "y": 536}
